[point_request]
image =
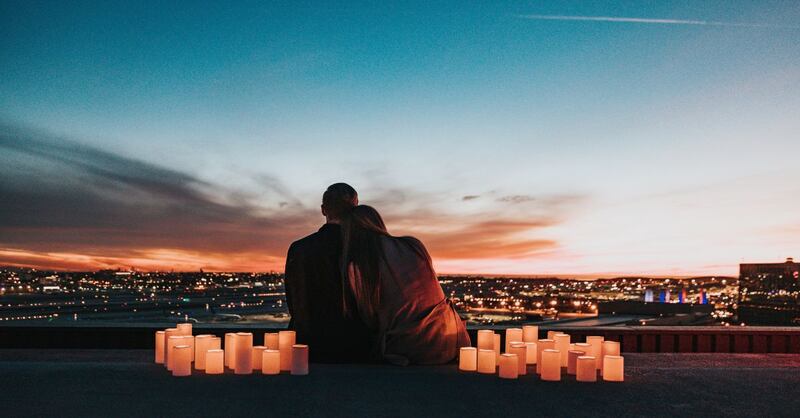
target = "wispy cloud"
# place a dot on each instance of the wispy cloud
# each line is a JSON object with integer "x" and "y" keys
{"x": 655, "y": 21}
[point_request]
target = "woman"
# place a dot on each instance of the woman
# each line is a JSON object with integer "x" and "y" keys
{"x": 396, "y": 293}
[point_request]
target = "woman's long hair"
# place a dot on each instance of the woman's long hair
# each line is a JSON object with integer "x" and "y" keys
{"x": 362, "y": 230}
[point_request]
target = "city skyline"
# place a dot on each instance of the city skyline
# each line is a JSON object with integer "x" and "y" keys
{"x": 532, "y": 139}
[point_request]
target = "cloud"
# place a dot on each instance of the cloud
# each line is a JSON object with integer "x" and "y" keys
{"x": 654, "y": 21}
{"x": 470, "y": 197}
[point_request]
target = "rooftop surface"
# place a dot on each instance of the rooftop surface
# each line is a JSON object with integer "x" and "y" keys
{"x": 127, "y": 383}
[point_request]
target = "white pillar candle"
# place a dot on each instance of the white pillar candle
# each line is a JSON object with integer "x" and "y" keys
{"x": 571, "y": 346}
{"x": 585, "y": 347}
{"x": 271, "y": 362}
{"x": 299, "y": 359}
{"x": 160, "y": 347}
{"x": 468, "y": 359}
{"x": 541, "y": 346}
{"x": 286, "y": 339}
{"x": 202, "y": 343}
{"x": 215, "y": 344}
{"x": 613, "y": 368}
{"x": 513, "y": 335}
{"x": 169, "y": 332}
{"x": 572, "y": 361}
{"x": 551, "y": 334}
{"x": 271, "y": 340}
{"x": 230, "y": 349}
{"x": 610, "y": 348}
{"x": 258, "y": 356}
{"x": 189, "y": 340}
{"x": 530, "y": 353}
{"x": 561, "y": 342}
{"x": 551, "y": 365}
{"x": 244, "y": 353}
{"x": 496, "y": 347}
{"x": 597, "y": 348}
{"x": 215, "y": 361}
{"x": 184, "y": 329}
{"x": 509, "y": 368}
{"x": 585, "y": 370}
{"x": 485, "y": 339}
{"x": 182, "y": 360}
{"x": 520, "y": 349}
{"x": 174, "y": 340}
{"x": 486, "y": 361}
{"x": 530, "y": 333}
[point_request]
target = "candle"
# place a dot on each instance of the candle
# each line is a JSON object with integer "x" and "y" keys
{"x": 520, "y": 350}
{"x": 610, "y": 348}
{"x": 286, "y": 339}
{"x": 243, "y": 363}
{"x": 530, "y": 353}
{"x": 171, "y": 343}
{"x": 299, "y": 359}
{"x": 169, "y": 332}
{"x": 160, "y": 347}
{"x": 585, "y": 347}
{"x": 182, "y": 360}
{"x": 258, "y": 356}
{"x": 230, "y": 349}
{"x": 184, "y": 329}
{"x": 530, "y": 333}
{"x": 508, "y": 366}
{"x": 613, "y": 368}
{"x": 202, "y": 343}
{"x": 485, "y": 339}
{"x": 189, "y": 340}
{"x": 551, "y": 365}
{"x": 586, "y": 371}
{"x": 215, "y": 344}
{"x": 572, "y": 361}
{"x": 562, "y": 345}
{"x": 271, "y": 362}
{"x": 551, "y": 334}
{"x": 597, "y": 348}
{"x": 486, "y": 361}
{"x": 541, "y": 346}
{"x": 215, "y": 361}
{"x": 468, "y": 359}
{"x": 513, "y": 335}
{"x": 496, "y": 346}
{"x": 271, "y": 340}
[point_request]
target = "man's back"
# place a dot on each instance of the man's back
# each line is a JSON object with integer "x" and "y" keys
{"x": 314, "y": 294}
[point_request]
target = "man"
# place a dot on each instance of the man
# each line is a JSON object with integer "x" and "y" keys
{"x": 314, "y": 290}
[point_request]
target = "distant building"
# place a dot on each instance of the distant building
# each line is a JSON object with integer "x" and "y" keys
{"x": 769, "y": 293}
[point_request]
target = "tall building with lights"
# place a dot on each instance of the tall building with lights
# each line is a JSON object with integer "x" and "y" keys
{"x": 769, "y": 293}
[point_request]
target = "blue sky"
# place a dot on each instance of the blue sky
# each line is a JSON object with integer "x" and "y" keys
{"x": 518, "y": 137}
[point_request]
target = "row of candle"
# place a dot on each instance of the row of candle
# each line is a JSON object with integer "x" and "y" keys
{"x": 523, "y": 347}
{"x": 177, "y": 349}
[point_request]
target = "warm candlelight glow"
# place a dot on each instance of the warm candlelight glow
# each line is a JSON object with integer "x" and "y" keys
{"x": 508, "y": 366}
{"x": 551, "y": 335}
{"x": 596, "y": 342}
{"x": 520, "y": 349}
{"x": 258, "y": 355}
{"x": 613, "y": 368}
{"x": 214, "y": 361}
{"x": 271, "y": 340}
{"x": 182, "y": 360}
{"x": 171, "y": 343}
{"x": 184, "y": 329}
{"x": 169, "y": 332}
{"x": 551, "y": 365}
{"x": 299, "y": 359}
{"x": 486, "y": 361}
{"x": 610, "y": 348}
{"x": 230, "y": 349}
{"x": 513, "y": 335}
{"x": 485, "y": 339}
{"x": 243, "y": 363}
{"x": 561, "y": 342}
{"x": 286, "y": 339}
{"x": 189, "y": 340}
{"x": 541, "y": 346}
{"x": 160, "y": 347}
{"x": 271, "y": 362}
{"x": 468, "y": 359}
{"x": 530, "y": 353}
{"x": 586, "y": 370}
{"x": 572, "y": 361}
{"x": 202, "y": 343}
{"x": 496, "y": 347}
{"x": 530, "y": 333}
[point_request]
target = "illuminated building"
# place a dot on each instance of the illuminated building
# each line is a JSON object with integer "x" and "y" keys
{"x": 769, "y": 293}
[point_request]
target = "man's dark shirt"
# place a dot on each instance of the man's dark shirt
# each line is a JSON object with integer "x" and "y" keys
{"x": 314, "y": 295}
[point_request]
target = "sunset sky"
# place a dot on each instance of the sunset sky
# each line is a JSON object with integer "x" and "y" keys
{"x": 648, "y": 137}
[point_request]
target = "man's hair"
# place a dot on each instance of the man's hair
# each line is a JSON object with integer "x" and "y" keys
{"x": 338, "y": 199}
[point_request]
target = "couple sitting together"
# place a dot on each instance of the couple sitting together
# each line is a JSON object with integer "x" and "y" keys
{"x": 358, "y": 294}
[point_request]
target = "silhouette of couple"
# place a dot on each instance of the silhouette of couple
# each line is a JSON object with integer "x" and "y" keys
{"x": 357, "y": 293}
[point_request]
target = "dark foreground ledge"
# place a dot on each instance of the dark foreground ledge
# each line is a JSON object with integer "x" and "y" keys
{"x": 126, "y": 383}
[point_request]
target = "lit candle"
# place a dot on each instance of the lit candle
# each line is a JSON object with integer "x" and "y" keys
{"x": 562, "y": 345}
{"x": 271, "y": 340}
{"x": 551, "y": 334}
{"x": 613, "y": 368}
{"x": 485, "y": 339}
{"x": 244, "y": 353}
{"x": 572, "y": 361}
{"x": 530, "y": 353}
{"x": 508, "y": 366}
{"x": 496, "y": 346}
{"x": 258, "y": 356}
{"x": 171, "y": 343}
{"x": 160, "y": 347}
{"x": 169, "y": 332}
{"x": 586, "y": 371}
{"x": 468, "y": 359}
{"x": 286, "y": 339}
{"x": 182, "y": 362}
{"x": 541, "y": 346}
{"x": 202, "y": 343}
{"x": 513, "y": 335}
{"x": 597, "y": 348}
{"x": 610, "y": 348}
{"x": 585, "y": 347}
{"x": 230, "y": 349}
{"x": 214, "y": 361}
{"x": 184, "y": 329}
{"x": 271, "y": 362}
{"x": 530, "y": 333}
{"x": 486, "y": 361}
{"x": 189, "y": 340}
{"x": 215, "y": 344}
{"x": 551, "y": 365}
{"x": 520, "y": 349}
{"x": 299, "y": 359}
